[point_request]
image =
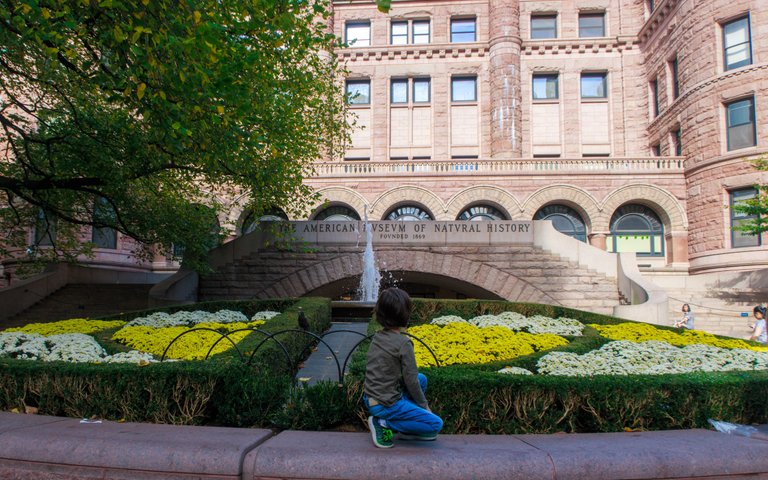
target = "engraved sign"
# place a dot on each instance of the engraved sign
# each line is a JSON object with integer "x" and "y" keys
{"x": 412, "y": 233}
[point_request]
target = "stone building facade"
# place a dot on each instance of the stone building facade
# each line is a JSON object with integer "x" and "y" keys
{"x": 631, "y": 124}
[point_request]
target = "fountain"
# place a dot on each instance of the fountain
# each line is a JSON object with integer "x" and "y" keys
{"x": 368, "y": 291}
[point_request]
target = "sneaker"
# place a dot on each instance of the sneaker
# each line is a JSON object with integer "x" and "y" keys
{"x": 382, "y": 437}
{"x": 422, "y": 437}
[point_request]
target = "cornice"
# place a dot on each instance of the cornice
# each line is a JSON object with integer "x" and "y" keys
{"x": 414, "y": 52}
{"x": 660, "y": 13}
{"x": 579, "y": 45}
{"x": 676, "y": 106}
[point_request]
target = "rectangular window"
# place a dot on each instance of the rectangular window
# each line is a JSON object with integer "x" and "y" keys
{"x": 421, "y": 90}
{"x": 656, "y": 150}
{"x": 463, "y": 30}
{"x": 359, "y": 92}
{"x": 101, "y": 236}
{"x": 650, "y": 5}
{"x": 543, "y": 26}
{"x": 420, "y": 32}
{"x": 740, "y": 119}
{"x": 591, "y": 25}
{"x": 399, "y": 91}
{"x": 464, "y": 89}
{"x": 737, "y": 44}
{"x": 399, "y": 33}
{"x": 675, "y": 80}
{"x": 594, "y": 85}
{"x": 358, "y": 34}
{"x": 545, "y": 86}
{"x": 677, "y": 140}
{"x": 738, "y": 238}
{"x": 655, "y": 94}
{"x": 45, "y": 228}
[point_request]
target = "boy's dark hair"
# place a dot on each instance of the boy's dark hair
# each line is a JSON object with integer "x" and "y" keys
{"x": 760, "y": 309}
{"x": 393, "y": 309}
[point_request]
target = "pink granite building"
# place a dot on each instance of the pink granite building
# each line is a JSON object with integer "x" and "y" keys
{"x": 631, "y": 124}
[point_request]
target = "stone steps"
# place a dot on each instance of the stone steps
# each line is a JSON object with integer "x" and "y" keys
{"x": 84, "y": 301}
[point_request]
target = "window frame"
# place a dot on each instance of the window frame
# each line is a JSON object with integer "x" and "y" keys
{"x": 460, "y": 78}
{"x": 674, "y": 68}
{"x": 455, "y": 21}
{"x": 587, "y": 15}
{"x": 349, "y": 82}
{"x": 724, "y": 27}
{"x": 357, "y": 23}
{"x": 552, "y": 16}
{"x": 584, "y": 75}
{"x": 655, "y": 97}
{"x": 545, "y": 76}
{"x": 428, "y": 34}
{"x": 392, "y": 32}
{"x": 735, "y": 220}
{"x": 677, "y": 141}
{"x": 428, "y": 81}
{"x": 398, "y": 81}
{"x": 753, "y": 122}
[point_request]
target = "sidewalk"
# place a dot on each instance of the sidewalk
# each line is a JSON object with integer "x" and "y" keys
{"x": 41, "y": 447}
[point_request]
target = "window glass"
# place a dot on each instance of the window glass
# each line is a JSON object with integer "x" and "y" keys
{"x": 463, "y": 30}
{"x": 421, "y": 90}
{"x": 565, "y": 220}
{"x": 463, "y": 89}
{"x": 741, "y": 124}
{"x": 655, "y": 93}
{"x": 45, "y": 228}
{"x": 737, "y": 44}
{"x": 675, "y": 79}
{"x": 337, "y": 213}
{"x": 400, "y": 91}
{"x": 592, "y": 25}
{"x": 545, "y": 87}
{"x": 103, "y": 237}
{"x": 636, "y": 228}
{"x": 481, "y": 213}
{"x": 543, "y": 26}
{"x": 359, "y": 92}
{"x": 399, "y": 33}
{"x": 594, "y": 85}
{"x": 677, "y": 138}
{"x": 408, "y": 213}
{"x": 359, "y": 34}
{"x": 738, "y": 238}
{"x": 420, "y": 31}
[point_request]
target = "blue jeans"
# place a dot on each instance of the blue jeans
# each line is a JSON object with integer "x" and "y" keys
{"x": 407, "y": 417}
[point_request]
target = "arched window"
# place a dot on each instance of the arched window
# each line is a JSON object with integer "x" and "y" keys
{"x": 636, "y": 228}
{"x": 408, "y": 213}
{"x": 272, "y": 215}
{"x": 481, "y": 212}
{"x": 565, "y": 220}
{"x": 337, "y": 213}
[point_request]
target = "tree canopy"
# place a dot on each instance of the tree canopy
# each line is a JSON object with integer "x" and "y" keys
{"x": 156, "y": 109}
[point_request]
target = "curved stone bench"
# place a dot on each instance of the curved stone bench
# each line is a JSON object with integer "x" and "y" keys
{"x": 43, "y": 447}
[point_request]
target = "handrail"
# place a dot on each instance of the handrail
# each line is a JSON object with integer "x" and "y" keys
{"x": 475, "y": 166}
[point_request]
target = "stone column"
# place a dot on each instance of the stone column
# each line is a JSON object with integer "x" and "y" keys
{"x": 504, "y": 71}
{"x": 677, "y": 247}
{"x": 597, "y": 239}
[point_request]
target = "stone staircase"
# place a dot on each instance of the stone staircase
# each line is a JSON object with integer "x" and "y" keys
{"x": 715, "y": 312}
{"x": 84, "y": 301}
{"x": 521, "y": 273}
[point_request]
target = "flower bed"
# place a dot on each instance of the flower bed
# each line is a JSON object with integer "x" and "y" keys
{"x": 643, "y": 332}
{"x": 461, "y": 343}
{"x": 74, "y": 325}
{"x": 66, "y": 347}
{"x": 518, "y": 322}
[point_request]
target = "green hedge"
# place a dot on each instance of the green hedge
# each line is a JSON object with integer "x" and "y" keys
{"x": 470, "y": 398}
{"x": 221, "y": 391}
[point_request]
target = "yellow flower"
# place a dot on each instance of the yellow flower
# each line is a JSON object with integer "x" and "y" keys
{"x": 192, "y": 346}
{"x": 643, "y": 332}
{"x": 73, "y": 325}
{"x": 458, "y": 343}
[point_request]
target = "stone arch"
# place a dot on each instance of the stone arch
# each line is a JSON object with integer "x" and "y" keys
{"x": 574, "y": 197}
{"x": 407, "y": 194}
{"x": 671, "y": 213}
{"x": 481, "y": 274}
{"x": 495, "y": 196}
{"x": 340, "y": 196}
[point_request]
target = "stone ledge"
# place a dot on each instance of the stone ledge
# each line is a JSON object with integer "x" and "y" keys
{"x": 49, "y": 447}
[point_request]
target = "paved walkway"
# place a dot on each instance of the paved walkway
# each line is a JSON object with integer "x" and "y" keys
{"x": 342, "y": 338}
{"x": 41, "y": 447}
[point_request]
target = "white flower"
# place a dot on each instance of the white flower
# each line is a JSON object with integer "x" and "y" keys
{"x": 69, "y": 347}
{"x": 265, "y": 315}
{"x": 515, "y": 371}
